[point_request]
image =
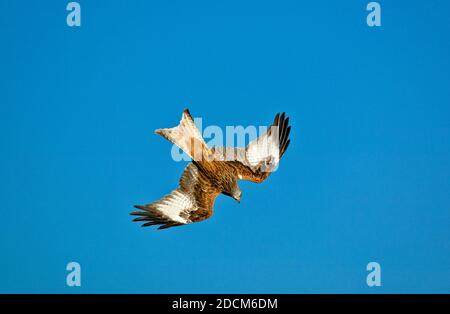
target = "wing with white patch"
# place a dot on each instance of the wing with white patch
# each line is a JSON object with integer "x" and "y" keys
{"x": 191, "y": 202}
{"x": 262, "y": 156}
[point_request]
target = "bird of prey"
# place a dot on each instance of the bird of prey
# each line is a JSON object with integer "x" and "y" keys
{"x": 213, "y": 171}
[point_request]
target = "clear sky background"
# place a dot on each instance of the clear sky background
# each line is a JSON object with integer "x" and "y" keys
{"x": 366, "y": 178}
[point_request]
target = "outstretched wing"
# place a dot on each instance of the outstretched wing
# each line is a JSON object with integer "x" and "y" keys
{"x": 262, "y": 156}
{"x": 192, "y": 201}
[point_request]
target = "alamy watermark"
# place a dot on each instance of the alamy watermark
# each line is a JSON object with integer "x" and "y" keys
{"x": 73, "y": 278}
{"x": 374, "y": 17}
{"x": 259, "y": 146}
{"x": 74, "y": 16}
{"x": 374, "y": 277}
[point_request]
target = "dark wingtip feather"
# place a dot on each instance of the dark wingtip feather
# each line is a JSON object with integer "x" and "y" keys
{"x": 284, "y": 129}
{"x": 170, "y": 225}
{"x": 286, "y": 146}
{"x": 152, "y": 217}
{"x": 142, "y": 218}
{"x": 151, "y": 223}
{"x": 285, "y": 140}
{"x": 187, "y": 113}
{"x": 275, "y": 121}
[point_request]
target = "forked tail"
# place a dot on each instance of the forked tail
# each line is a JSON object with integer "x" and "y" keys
{"x": 187, "y": 137}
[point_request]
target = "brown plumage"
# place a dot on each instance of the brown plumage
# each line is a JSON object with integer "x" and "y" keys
{"x": 213, "y": 171}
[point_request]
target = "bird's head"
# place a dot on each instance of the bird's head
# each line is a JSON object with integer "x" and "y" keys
{"x": 237, "y": 195}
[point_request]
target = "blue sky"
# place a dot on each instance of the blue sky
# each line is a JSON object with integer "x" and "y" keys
{"x": 366, "y": 177}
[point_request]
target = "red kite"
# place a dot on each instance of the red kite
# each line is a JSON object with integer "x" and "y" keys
{"x": 213, "y": 171}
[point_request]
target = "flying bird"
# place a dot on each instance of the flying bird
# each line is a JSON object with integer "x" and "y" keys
{"x": 213, "y": 171}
